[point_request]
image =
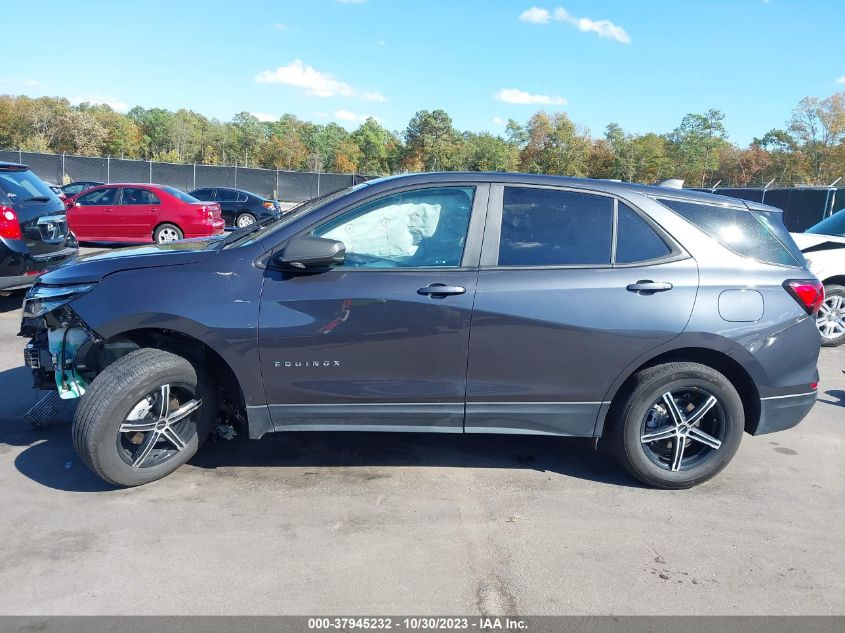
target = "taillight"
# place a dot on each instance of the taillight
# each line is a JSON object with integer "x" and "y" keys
{"x": 807, "y": 292}
{"x": 10, "y": 228}
{"x": 268, "y": 205}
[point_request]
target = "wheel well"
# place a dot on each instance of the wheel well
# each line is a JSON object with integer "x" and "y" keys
{"x": 188, "y": 347}
{"x": 722, "y": 363}
{"x": 160, "y": 224}
{"x": 839, "y": 280}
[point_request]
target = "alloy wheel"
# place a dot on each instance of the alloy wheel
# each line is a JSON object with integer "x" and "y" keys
{"x": 245, "y": 220}
{"x": 831, "y": 317}
{"x": 683, "y": 428}
{"x": 159, "y": 426}
{"x": 167, "y": 235}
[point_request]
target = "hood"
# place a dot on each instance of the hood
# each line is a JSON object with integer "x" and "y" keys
{"x": 93, "y": 267}
{"x": 817, "y": 241}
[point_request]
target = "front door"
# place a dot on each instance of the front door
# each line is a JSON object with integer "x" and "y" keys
{"x": 381, "y": 341}
{"x": 92, "y": 216}
{"x": 573, "y": 287}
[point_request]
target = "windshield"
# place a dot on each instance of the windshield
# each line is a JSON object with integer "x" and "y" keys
{"x": 260, "y": 230}
{"x": 833, "y": 225}
{"x": 181, "y": 195}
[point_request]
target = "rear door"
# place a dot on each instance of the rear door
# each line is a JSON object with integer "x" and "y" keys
{"x": 564, "y": 304}
{"x": 92, "y": 215}
{"x": 137, "y": 212}
{"x": 228, "y": 201}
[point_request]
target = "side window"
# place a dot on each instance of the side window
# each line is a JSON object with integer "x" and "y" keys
{"x": 636, "y": 241}
{"x": 100, "y": 197}
{"x": 227, "y": 195}
{"x": 72, "y": 190}
{"x": 242, "y": 197}
{"x": 204, "y": 194}
{"x": 745, "y": 232}
{"x": 548, "y": 227}
{"x": 426, "y": 227}
{"x": 139, "y": 196}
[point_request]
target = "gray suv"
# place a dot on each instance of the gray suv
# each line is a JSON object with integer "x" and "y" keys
{"x": 663, "y": 323}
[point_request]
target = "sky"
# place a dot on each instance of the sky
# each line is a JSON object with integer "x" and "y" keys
{"x": 642, "y": 64}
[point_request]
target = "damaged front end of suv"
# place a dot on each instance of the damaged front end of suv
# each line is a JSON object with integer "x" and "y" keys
{"x": 63, "y": 352}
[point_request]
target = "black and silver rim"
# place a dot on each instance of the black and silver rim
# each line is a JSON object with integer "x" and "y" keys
{"x": 159, "y": 426}
{"x": 245, "y": 220}
{"x": 683, "y": 429}
{"x": 831, "y": 317}
{"x": 167, "y": 234}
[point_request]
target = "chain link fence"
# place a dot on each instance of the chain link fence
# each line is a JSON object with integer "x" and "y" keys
{"x": 288, "y": 186}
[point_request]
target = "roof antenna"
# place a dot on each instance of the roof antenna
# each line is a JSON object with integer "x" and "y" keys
{"x": 833, "y": 184}
{"x": 714, "y": 187}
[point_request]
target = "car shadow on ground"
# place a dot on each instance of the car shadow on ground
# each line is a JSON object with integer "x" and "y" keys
{"x": 11, "y": 301}
{"x": 836, "y": 397}
{"x": 49, "y": 458}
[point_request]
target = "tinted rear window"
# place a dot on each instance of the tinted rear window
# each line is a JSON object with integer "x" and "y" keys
{"x": 21, "y": 186}
{"x": 747, "y": 233}
{"x": 181, "y": 195}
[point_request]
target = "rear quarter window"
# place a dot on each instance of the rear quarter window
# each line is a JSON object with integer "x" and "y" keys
{"x": 747, "y": 233}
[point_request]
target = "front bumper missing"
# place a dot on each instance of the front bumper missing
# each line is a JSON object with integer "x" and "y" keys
{"x": 52, "y": 352}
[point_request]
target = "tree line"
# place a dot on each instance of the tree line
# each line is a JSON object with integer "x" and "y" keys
{"x": 809, "y": 148}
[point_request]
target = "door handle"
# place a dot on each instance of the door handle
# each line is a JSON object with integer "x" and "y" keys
{"x": 647, "y": 287}
{"x": 441, "y": 290}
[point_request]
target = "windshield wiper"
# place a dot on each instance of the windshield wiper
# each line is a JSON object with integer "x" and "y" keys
{"x": 37, "y": 199}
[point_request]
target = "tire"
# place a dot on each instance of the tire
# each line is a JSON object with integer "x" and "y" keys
{"x": 112, "y": 403}
{"x": 641, "y": 411}
{"x": 831, "y": 317}
{"x": 244, "y": 220}
{"x": 165, "y": 233}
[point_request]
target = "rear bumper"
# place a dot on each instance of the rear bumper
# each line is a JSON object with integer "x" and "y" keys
{"x": 25, "y": 270}
{"x": 778, "y": 413}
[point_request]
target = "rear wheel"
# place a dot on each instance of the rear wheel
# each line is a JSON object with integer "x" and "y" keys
{"x": 244, "y": 220}
{"x": 831, "y": 317}
{"x": 143, "y": 417}
{"x": 167, "y": 233}
{"x": 677, "y": 425}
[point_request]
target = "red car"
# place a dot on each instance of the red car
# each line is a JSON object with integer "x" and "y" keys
{"x": 126, "y": 212}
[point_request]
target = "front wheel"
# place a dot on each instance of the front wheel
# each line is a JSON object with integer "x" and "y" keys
{"x": 677, "y": 425}
{"x": 143, "y": 417}
{"x": 831, "y": 317}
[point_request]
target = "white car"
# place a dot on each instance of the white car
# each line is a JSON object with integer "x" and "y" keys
{"x": 823, "y": 246}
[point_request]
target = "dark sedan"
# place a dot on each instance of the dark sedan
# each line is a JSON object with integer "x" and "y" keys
{"x": 240, "y": 208}
{"x": 79, "y": 186}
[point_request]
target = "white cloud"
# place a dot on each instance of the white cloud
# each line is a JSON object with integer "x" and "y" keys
{"x": 351, "y": 1}
{"x": 346, "y": 115}
{"x": 313, "y": 82}
{"x": 264, "y": 117}
{"x": 113, "y": 102}
{"x": 497, "y": 120}
{"x": 299, "y": 75}
{"x": 602, "y": 28}
{"x": 374, "y": 96}
{"x": 29, "y": 82}
{"x": 536, "y": 15}
{"x": 841, "y": 80}
{"x": 514, "y": 95}
{"x": 279, "y": 26}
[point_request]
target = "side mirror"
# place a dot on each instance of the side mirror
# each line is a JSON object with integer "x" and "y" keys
{"x": 306, "y": 252}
